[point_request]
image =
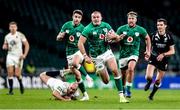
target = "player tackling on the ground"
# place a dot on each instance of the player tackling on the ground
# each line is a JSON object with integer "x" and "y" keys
{"x": 60, "y": 90}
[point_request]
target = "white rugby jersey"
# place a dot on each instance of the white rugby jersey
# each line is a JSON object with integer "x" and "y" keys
{"x": 15, "y": 43}
{"x": 61, "y": 87}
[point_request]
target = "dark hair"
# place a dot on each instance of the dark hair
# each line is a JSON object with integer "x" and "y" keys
{"x": 13, "y": 23}
{"x": 132, "y": 13}
{"x": 78, "y": 12}
{"x": 162, "y": 20}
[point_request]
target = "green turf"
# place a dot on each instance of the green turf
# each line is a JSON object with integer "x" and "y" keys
{"x": 100, "y": 99}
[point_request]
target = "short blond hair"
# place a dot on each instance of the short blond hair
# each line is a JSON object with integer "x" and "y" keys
{"x": 132, "y": 13}
{"x": 13, "y": 23}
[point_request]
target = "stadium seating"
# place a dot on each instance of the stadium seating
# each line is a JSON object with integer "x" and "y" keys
{"x": 41, "y": 20}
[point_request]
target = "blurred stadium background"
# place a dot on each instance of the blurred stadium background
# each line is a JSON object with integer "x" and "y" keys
{"x": 41, "y": 20}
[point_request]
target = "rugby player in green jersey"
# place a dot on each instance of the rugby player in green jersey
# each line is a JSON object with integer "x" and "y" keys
{"x": 100, "y": 52}
{"x": 71, "y": 32}
{"x": 129, "y": 37}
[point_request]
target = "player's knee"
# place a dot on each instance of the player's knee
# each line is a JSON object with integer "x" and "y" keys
{"x": 115, "y": 72}
{"x": 17, "y": 74}
{"x": 106, "y": 81}
{"x": 10, "y": 74}
{"x": 148, "y": 77}
{"x": 42, "y": 74}
{"x": 131, "y": 71}
{"x": 74, "y": 65}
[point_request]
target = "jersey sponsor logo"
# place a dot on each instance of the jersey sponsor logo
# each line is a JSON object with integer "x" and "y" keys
{"x": 129, "y": 39}
{"x": 124, "y": 32}
{"x": 160, "y": 45}
{"x": 111, "y": 31}
{"x": 12, "y": 43}
{"x": 105, "y": 30}
{"x": 165, "y": 39}
{"x": 67, "y": 31}
{"x": 94, "y": 33}
{"x": 166, "y": 66}
{"x": 156, "y": 39}
{"x": 71, "y": 38}
{"x": 78, "y": 34}
{"x": 136, "y": 34}
{"x": 101, "y": 36}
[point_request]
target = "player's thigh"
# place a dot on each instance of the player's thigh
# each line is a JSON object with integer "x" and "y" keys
{"x": 160, "y": 75}
{"x": 77, "y": 58}
{"x": 150, "y": 70}
{"x": 112, "y": 65}
{"x": 131, "y": 65}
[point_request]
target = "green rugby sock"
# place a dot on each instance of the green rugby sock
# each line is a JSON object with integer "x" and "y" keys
{"x": 118, "y": 82}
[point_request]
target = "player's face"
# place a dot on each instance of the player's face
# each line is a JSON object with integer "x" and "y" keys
{"x": 132, "y": 21}
{"x": 96, "y": 18}
{"x": 161, "y": 26}
{"x": 77, "y": 18}
{"x": 72, "y": 89}
{"x": 13, "y": 28}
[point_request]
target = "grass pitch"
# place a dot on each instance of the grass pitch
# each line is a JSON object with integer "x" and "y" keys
{"x": 99, "y": 99}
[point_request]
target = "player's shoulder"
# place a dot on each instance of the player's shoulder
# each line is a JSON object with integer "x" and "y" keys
{"x": 68, "y": 23}
{"x": 104, "y": 23}
{"x": 123, "y": 27}
{"x": 90, "y": 25}
{"x": 81, "y": 25}
{"x": 20, "y": 33}
{"x": 7, "y": 35}
{"x": 169, "y": 34}
{"x": 153, "y": 33}
{"x": 140, "y": 27}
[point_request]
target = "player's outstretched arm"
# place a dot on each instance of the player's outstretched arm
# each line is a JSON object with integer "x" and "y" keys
{"x": 60, "y": 36}
{"x": 26, "y": 48}
{"x": 166, "y": 54}
{"x": 148, "y": 47}
{"x": 59, "y": 97}
{"x": 112, "y": 36}
{"x": 5, "y": 46}
{"x": 170, "y": 52}
{"x": 81, "y": 42}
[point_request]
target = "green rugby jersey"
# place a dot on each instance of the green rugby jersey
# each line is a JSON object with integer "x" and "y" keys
{"x": 72, "y": 36}
{"x": 130, "y": 44}
{"x": 96, "y": 37}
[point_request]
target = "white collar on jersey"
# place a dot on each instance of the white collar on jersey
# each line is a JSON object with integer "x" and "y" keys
{"x": 158, "y": 35}
{"x": 14, "y": 34}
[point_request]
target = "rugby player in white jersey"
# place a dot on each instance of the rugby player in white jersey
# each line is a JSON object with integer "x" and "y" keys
{"x": 13, "y": 43}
